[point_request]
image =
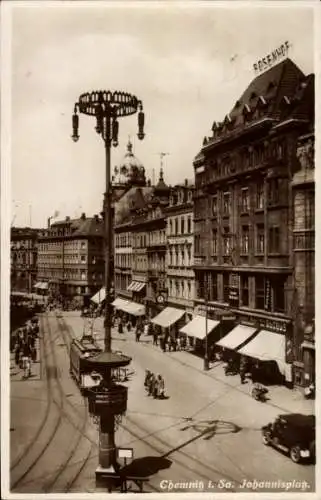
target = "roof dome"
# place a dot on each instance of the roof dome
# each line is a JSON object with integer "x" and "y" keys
{"x": 130, "y": 170}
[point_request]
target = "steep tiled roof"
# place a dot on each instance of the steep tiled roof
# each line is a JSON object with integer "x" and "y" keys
{"x": 279, "y": 81}
{"x": 88, "y": 227}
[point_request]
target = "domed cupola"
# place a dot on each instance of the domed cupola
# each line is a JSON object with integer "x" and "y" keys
{"x": 130, "y": 170}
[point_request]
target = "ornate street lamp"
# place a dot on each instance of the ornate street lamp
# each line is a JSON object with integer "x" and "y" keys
{"x": 109, "y": 399}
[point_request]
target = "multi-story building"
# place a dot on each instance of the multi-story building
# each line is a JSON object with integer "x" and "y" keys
{"x": 303, "y": 189}
{"x": 133, "y": 192}
{"x": 71, "y": 259}
{"x": 243, "y": 212}
{"x": 23, "y": 256}
{"x": 180, "y": 247}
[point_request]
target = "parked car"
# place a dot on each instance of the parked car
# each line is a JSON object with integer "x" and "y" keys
{"x": 293, "y": 433}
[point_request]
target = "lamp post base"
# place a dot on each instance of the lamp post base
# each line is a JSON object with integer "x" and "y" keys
{"x": 206, "y": 364}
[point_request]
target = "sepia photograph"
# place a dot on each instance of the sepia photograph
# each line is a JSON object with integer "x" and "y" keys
{"x": 158, "y": 248}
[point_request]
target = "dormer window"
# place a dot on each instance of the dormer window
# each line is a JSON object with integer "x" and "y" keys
{"x": 286, "y": 100}
{"x": 237, "y": 104}
{"x": 262, "y": 101}
{"x": 253, "y": 96}
{"x": 270, "y": 86}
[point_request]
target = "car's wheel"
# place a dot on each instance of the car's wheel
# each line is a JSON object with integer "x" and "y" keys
{"x": 295, "y": 454}
{"x": 266, "y": 438}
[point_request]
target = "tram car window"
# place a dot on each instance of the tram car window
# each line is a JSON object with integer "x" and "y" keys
{"x": 80, "y": 352}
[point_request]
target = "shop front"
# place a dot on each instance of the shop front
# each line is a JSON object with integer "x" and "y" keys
{"x": 169, "y": 321}
{"x": 199, "y": 331}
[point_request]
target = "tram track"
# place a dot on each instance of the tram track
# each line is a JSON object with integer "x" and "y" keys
{"x": 49, "y": 402}
{"x": 60, "y": 403}
{"x": 52, "y": 434}
{"x": 161, "y": 446}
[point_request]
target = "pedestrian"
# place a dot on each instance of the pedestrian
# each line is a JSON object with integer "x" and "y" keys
{"x": 242, "y": 369}
{"x": 178, "y": 343}
{"x": 120, "y": 327}
{"x": 156, "y": 387}
{"x": 155, "y": 342}
{"x": 161, "y": 387}
{"x": 129, "y": 326}
{"x": 26, "y": 365}
{"x": 147, "y": 377}
{"x": 17, "y": 352}
{"x": 151, "y": 384}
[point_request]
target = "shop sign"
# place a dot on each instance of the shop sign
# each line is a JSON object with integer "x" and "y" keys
{"x": 267, "y": 295}
{"x": 275, "y": 326}
{"x": 272, "y": 58}
{"x": 289, "y": 351}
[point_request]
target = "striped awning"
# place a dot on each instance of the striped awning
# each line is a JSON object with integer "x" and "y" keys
{"x": 37, "y": 285}
{"x": 199, "y": 327}
{"x": 129, "y": 307}
{"x": 168, "y": 317}
{"x": 136, "y": 286}
{"x": 236, "y": 337}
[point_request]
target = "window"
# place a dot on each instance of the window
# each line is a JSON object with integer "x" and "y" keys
{"x": 212, "y": 286}
{"x": 189, "y": 224}
{"x": 260, "y": 195}
{"x": 177, "y": 288}
{"x": 226, "y": 287}
{"x": 245, "y": 239}
{"x": 310, "y": 207}
{"x": 189, "y": 254}
{"x": 183, "y": 256}
{"x": 274, "y": 191}
{"x": 214, "y": 206}
{"x": 226, "y": 203}
{"x": 197, "y": 243}
{"x": 245, "y": 200}
{"x": 83, "y": 259}
{"x": 274, "y": 239}
{"x": 278, "y": 294}
{"x": 214, "y": 241}
{"x": 244, "y": 290}
{"x": 83, "y": 244}
{"x": 182, "y": 225}
{"x": 226, "y": 241}
{"x": 259, "y": 292}
{"x": 260, "y": 238}
{"x": 176, "y": 226}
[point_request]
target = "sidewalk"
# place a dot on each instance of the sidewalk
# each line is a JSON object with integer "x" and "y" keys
{"x": 287, "y": 400}
{"x": 28, "y": 401}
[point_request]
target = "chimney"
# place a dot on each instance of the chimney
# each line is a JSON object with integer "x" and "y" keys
{"x": 48, "y": 222}
{"x": 186, "y": 182}
{"x": 96, "y": 218}
{"x": 149, "y": 183}
{"x": 83, "y": 216}
{"x": 67, "y": 218}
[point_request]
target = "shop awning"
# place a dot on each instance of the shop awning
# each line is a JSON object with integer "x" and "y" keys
{"x": 307, "y": 345}
{"x": 135, "y": 309}
{"x": 99, "y": 296}
{"x": 44, "y": 286}
{"x": 168, "y": 317}
{"x": 118, "y": 303}
{"x": 136, "y": 286}
{"x": 268, "y": 346}
{"x": 197, "y": 327}
{"x": 129, "y": 307}
{"x": 236, "y": 337}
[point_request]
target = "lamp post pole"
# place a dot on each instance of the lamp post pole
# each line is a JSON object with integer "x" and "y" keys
{"x": 107, "y": 107}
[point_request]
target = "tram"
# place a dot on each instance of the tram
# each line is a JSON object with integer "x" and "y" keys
{"x": 80, "y": 351}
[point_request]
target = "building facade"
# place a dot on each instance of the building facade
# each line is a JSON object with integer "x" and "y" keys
{"x": 303, "y": 189}
{"x": 243, "y": 210}
{"x": 23, "y": 256}
{"x": 180, "y": 247}
{"x": 71, "y": 258}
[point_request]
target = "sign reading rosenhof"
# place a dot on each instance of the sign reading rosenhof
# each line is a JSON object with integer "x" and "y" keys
{"x": 272, "y": 58}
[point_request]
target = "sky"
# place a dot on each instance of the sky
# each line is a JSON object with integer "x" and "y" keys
{"x": 188, "y": 64}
